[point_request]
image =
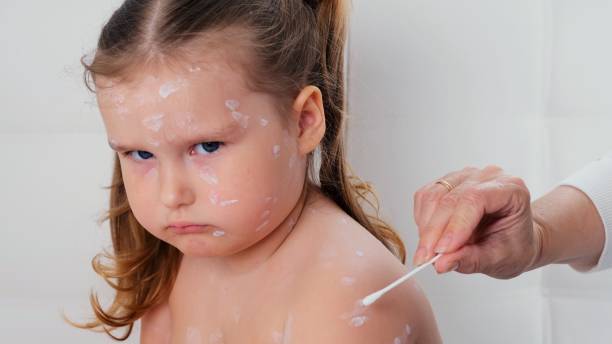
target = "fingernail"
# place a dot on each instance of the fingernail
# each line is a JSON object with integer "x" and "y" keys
{"x": 454, "y": 268}
{"x": 443, "y": 243}
{"x": 421, "y": 255}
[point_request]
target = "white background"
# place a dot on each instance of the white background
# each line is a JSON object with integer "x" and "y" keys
{"x": 433, "y": 86}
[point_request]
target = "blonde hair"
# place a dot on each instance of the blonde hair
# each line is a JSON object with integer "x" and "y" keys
{"x": 294, "y": 43}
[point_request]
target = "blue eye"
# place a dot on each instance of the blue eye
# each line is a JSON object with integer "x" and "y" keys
{"x": 144, "y": 155}
{"x": 209, "y": 147}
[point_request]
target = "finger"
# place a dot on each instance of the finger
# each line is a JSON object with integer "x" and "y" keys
{"x": 473, "y": 204}
{"x": 468, "y": 260}
{"x": 433, "y": 229}
{"x": 426, "y": 200}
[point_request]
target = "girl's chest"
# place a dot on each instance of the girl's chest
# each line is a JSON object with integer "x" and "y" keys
{"x": 252, "y": 311}
{"x": 241, "y": 320}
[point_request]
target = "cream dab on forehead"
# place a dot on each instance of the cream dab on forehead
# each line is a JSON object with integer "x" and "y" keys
{"x": 154, "y": 122}
{"x": 171, "y": 87}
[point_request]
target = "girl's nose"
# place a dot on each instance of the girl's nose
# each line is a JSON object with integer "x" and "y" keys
{"x": 175, "y": 189}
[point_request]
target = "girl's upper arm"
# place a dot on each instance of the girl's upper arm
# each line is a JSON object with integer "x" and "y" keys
{"x": 334, "y": 315}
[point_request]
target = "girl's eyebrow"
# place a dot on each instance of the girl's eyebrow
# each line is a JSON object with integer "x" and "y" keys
{"x": 219, "y": 133}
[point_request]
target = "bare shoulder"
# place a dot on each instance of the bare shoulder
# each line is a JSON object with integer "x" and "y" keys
{"x": 155, "y": 325}
{"x": 349, "y": 264}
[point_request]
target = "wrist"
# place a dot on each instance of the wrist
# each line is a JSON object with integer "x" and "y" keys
{"x": 540, "y": 240}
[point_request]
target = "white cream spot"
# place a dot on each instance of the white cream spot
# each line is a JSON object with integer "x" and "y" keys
{"x": 276, "y": 151}
{"x": 153, "y": 142}
{"x": 344, "y": 221}
{"x": 291, "y": 224}
{"x": 208, "y": 175}
{"x": 358, "y": 321}
{"x": 122, "y": 111}
{"x": 277, "y": 337}
{"x": 151, "y": 173}
{"x": 265, "y": 214}
{"x": 214, "y": 197}
{"x": 264, "y": 224}
{"x": 218, "y": 233}
{"x": 154, "y": 122}
{"x": 216, "y": 337}
{"x": 242, "y": 119}
{"x": 193, "y": 336}
{"x": 232, "y": 104}
{"x": 287, "y": 331}
{"x": 263, "y": 122}
{"x": 168, "y": 88}
{"x": 359, "y": 253}
{"x": 194, "y": 69}
{"x": 118, "y": 99}
{"x": 348, "y": 280}
{"x": 229, "y": 202}
{"x": 185, "y": 121}
{"x": 397, "y": 340}
{"x": 408, "y": 330}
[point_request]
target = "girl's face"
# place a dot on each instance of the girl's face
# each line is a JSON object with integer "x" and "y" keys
{"x": 197, "y": 147}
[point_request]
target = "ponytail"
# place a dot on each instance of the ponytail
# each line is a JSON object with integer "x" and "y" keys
{"x": 335, "y": 176}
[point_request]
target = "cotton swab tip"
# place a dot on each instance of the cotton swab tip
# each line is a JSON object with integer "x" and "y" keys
{"x": 370, "y": 299}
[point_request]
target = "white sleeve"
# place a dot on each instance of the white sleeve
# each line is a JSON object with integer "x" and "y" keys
{"x": 595, "y": 180}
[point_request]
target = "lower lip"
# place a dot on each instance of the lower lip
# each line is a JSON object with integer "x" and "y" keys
{"x": 188, "y": 229}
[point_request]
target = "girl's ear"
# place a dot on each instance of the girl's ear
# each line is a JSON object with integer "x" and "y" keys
{"x": 310, "y": 116}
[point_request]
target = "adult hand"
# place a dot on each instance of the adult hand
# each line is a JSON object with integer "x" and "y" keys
{"x": 482, "y": 224}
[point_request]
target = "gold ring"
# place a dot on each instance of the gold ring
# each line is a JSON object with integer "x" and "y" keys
{"x": 446, "y": 184}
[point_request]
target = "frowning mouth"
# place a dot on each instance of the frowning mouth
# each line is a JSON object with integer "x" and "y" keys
{"x": 188, "y": 229}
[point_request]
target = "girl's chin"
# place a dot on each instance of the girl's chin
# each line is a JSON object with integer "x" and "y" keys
{"x": 198, "y": 247}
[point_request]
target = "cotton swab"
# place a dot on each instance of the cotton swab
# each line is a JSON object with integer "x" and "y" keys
{"x": 370, "y": 299}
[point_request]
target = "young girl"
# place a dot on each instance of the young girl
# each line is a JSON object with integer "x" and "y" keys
{"x": 226, "y": 226}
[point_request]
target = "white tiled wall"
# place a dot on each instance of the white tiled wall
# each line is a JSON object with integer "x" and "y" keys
{"x": 434, "y": 85}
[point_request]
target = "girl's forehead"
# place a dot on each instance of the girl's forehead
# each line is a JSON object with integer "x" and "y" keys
{"x": 160, "y": 83}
